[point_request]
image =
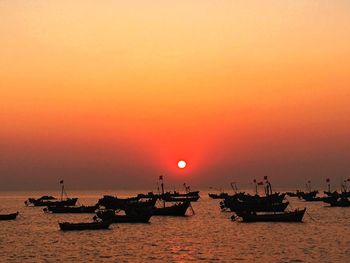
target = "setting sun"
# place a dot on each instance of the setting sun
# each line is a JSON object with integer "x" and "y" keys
{"x": 181, "y": 164}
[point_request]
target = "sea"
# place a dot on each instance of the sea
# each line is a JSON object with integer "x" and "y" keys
{"x": 208, "y": 235}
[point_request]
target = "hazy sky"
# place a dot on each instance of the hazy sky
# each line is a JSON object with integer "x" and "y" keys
{"x": 111, "y": 94}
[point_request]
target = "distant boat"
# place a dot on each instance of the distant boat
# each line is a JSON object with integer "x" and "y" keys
{"x": 335, "y": 193}
{"x": 293, "y": 194}
{"x": 310, "y": 196}
{"x": 246, "y": 202}
{"x": 71, "y": 209}
{"x": 224, "y": 195}
{"x": 294, "y": 216}
{"x": 84, "y": 226}
{"x": 40, "y": 202}
{"x": 52, "y": 201}
{"x": 12, "y": 216}
{"x": 173, "y": 196}
{"x": 271, "y": 198}
{"x": 337, "y": 201}
{"x": 237, "y": 205}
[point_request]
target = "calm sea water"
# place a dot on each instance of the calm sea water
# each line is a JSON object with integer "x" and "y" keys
{"x": 207, "y": 236}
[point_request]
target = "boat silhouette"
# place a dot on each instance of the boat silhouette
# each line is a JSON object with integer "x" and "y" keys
{"x": 12, "y": 216}
{"x": 52, "y": 201}
{"x": 71, "y": 209}
{"x": 293, "y": 216}
{"x": 66, "y": 226}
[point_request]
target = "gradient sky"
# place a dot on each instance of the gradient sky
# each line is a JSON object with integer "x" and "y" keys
{"x": 111, "y": 94}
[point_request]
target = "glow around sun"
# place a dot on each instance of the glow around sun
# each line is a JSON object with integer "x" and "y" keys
{"x": 181, "y": 164}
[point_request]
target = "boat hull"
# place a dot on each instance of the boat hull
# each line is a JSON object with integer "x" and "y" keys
{"x": 12, "y": 216}
{"x": 296, "y": 216}
{"x": 175, "y": 210}
{"x": 83, "y": 226}
{"x": 67, "y": 202}
{"x": 264, "y": 207}
{"x": 110, "y": 202}
{"x": 341, "y": 202}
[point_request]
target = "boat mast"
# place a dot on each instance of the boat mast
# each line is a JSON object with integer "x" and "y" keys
{"x": 162, "y": 185}
{"x": 329, "y": 184}
{"x": 256, "y": 187}
{"x": 62, "y": 190}
{"x": 235, "y": 189}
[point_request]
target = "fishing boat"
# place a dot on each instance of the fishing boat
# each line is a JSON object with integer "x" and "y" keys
{"x": 12, "y": 216}
{"x": 271, "y": 198}
{"x": 293, "y": 194}
{"x": 178, "y": 209}
{"x": 111, "y": 202}
{"x": 224, "y": 195}
{"x": 310, "y": 196}
{"x": 236, "y": 206}
{"x": 175, "y": 209}
{"x": 180, "y": 197}
{"x": 338, "y": 202}
{"x": 71, "y": 209}
{"x": 52, "y": 201}
{"x": 242, "y": 201}
{"x": 189, "y": 193}
{"x": 191, "y": 196}
{"x": 312, "y": 199}
{"x": 66, "y": 226}
{"x": 293, "y": 216}
{"x": 112, "y": 216}
{"x": 56, "y": 202}
{"x": 345, "y": 193}
{"x": 34, "y": 201}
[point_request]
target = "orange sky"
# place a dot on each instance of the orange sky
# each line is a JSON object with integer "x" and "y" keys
{"x": 115, "y": 93}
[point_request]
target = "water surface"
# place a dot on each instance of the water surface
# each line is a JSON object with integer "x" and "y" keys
{"x": 208, "y": 236}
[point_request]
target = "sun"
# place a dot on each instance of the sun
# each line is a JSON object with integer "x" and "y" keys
{"x": 181, "y": 164}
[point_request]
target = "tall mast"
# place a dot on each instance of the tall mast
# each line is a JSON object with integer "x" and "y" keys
{"x": 162, "y": 185}
{"x": 256, "y": 187}
{"x": 329, "y": 184}
{"x": 62, "y": 190}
